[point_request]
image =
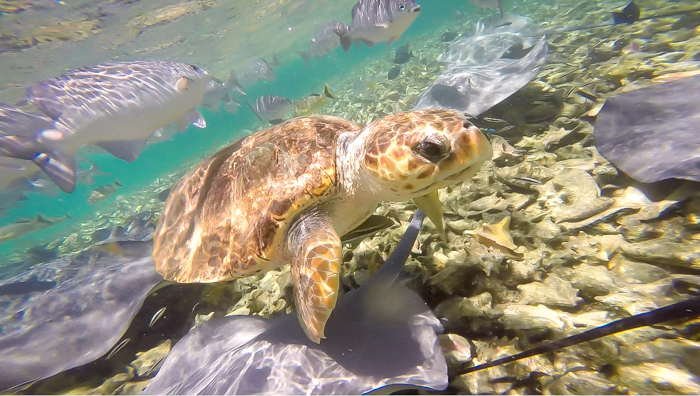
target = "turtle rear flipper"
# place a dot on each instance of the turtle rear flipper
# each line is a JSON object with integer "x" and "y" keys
{"x": 316, "y": 273}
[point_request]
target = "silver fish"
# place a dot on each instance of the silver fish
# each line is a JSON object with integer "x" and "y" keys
{"x": 103, "y": 192}
{"x": 157, "y": 316}
{"x": 116, "y": 106}
{"x": 489, "y": 4}
{"x": 257, "y": 70}
{"x": 220, "y": 92}
{"x": 374, "y": 21}
{"x": 271, "y": 108}
{"x": 324, "y": 41}
{"x": 24, "y": 226}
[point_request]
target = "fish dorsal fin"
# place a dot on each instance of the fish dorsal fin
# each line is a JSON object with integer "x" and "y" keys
{"x": 40, "y": 219}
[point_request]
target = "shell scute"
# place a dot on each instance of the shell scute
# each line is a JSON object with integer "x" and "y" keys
{"x": 228, "y": 217}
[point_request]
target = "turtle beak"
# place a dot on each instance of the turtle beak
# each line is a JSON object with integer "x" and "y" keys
{"x": 430, "y": 204}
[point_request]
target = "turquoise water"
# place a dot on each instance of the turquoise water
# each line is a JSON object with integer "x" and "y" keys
{"x": 295, "y": 80}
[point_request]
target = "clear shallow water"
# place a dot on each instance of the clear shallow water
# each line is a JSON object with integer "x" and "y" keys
{"x": 269, "y": 36}
{"x": 227, "y": 37}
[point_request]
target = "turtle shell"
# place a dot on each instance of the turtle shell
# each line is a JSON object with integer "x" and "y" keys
{"x": 229, "y": 216}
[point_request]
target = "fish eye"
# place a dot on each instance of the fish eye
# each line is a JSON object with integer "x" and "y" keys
{"x": 432, "y": 148}
{"x": 402, "y": 7}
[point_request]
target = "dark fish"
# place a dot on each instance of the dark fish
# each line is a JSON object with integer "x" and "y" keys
{"x": 32, "y": 285}
{"x": 323, "y": 41}
{"x": 271, "y": 108}
{"x": 163, "y": 195}
{"x": 116, "y": 106}
{"x": 448, "y": 36}
{"x": 627, "y": 15}
{"x": 393, "y": 73}
{"x": 402, "y": 55}
{"x": 374, "y": 21}
{"x": 103, "y": 192}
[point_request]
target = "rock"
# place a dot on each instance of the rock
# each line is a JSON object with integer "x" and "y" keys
{"x": 456, "y": 349}
{"x": 592, "y": 280}
{"x": 147, "y": 363}
{"x": 571, "y": 195}
{"x": 553, "y": 292}
{"x": 581, "y": 383}
{"x": 528, "y": 317}
{"x": 661, "y": 251}
{"x": 658, "y": 378}
{"x": 132, "y": 388}
{"x": 635, "y": 272}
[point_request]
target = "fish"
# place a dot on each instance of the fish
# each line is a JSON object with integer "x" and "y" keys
{"x": 33, "y": 285}
{"x": 448, "y": 36}
{"x": 271, "y": 108}
{"x": 41, "y": 183}
{"x": 393, "y": 73}
{"x": 23, "y": 226}
{"x": 489, "y": 4}
{"x": 374, "y": 21}
{"x": 256, "y": 71}
{"x": 323, "y": 41}
{"x": 103, "y": 192}
{"x": 311, "y": 103}
{"x": 402, "y": 55}
{"x": 627, "y": 15}
{"x": 219, "y": 92}
{"x": 116, "y": 106}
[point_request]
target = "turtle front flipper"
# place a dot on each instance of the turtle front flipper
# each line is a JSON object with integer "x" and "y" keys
{"x": 316, "y": 250}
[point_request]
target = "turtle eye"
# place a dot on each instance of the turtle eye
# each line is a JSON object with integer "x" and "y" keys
{"x": 402, "y": 7}
{"x": 432, "y": 148}
{"x": 195, "y": 68}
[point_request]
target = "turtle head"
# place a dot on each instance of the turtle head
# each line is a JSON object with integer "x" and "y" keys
{"x": 411, "y": 155}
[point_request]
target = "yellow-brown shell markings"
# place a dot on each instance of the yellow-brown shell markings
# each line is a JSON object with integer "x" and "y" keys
{"x": 228, "y": 216}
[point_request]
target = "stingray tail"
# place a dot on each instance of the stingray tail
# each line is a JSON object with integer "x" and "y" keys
{"x": 59, "y": 166}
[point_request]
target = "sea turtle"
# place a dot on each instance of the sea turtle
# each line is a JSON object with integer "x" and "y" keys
{"x": 288, "y": 193}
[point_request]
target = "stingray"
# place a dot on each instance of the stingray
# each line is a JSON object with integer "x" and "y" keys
{"x": 651, "y": 133}
{"x": 75, "y": 322}
{"x": 380, "y": 336}
{"x": 475, "y": 88}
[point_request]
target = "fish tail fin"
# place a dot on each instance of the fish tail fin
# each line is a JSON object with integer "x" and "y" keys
{"x": 58, "y": 166}
{"x": 343, "y": 32}
{"x": 327, "y": 92}
{"x": 305, "y": 55}
{"x": 234, "y": 84}
{"x": 254, "y": 112}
